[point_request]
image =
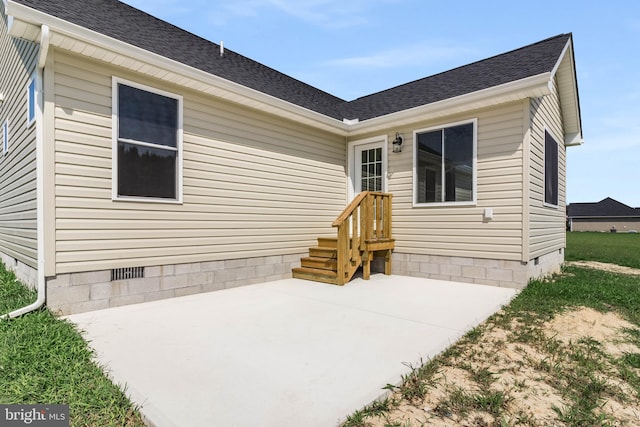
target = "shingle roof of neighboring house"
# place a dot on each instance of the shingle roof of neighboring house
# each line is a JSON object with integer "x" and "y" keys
{"x": 604, "y": 208}
{"x": 127, "y": 24}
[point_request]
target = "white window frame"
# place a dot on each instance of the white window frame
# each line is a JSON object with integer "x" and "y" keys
{"x": 32, "y": 99}
{"x": 474, "y": 178}
{"x": 5, "y": 137}
{"x": 544, "y": 168}
{"x": 114, "y": 156}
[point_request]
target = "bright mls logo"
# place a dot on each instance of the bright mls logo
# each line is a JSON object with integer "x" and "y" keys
{"x": 34, "y": 415}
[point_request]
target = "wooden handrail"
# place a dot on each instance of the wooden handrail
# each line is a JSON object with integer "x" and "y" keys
{"x": 369, "y": 215}
{"x": 346, "y": 213}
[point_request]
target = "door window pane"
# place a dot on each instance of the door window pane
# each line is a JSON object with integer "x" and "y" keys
{"x": 371, "y": 179}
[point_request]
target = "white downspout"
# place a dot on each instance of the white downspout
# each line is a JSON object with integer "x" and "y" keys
{"x": 42, "y": 288}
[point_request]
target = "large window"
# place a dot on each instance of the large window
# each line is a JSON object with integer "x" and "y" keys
{"x": 149, "y": 129}
{"x": 444, "y": 164}
{"x": 550, "y": 170}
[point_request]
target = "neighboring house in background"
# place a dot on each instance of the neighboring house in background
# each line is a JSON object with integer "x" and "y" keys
{"x": 144, "y": 162}
{"x": 606, "y": 215}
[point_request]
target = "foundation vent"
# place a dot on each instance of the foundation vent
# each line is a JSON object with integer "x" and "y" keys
{"x": 127, "y": 273}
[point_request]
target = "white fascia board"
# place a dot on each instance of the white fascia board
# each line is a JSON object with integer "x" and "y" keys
{"x": 533, "y": 86}
{"x": 569, "y": 95}
{"x": 565, "y": 49}
{"x": 260, "y": 100}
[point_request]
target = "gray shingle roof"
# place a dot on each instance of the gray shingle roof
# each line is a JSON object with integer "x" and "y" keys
{"x": 604, "y": 208}
{"x": 127, "y": 24}
{"x": 518, "y": 64}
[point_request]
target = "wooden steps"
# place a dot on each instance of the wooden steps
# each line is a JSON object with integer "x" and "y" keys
{"x": 363, "y": 231}
{"x": 322, "y": 263}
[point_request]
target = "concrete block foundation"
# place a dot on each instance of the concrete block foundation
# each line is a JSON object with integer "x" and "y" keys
{"x": 510, "y": 274}
{"x": 87, "y": 291}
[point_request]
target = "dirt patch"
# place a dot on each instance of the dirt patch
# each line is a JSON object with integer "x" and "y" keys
{"x": 587, "y": 323}
{"x": 612, "y": 268}
{"x": 522, "y": 376}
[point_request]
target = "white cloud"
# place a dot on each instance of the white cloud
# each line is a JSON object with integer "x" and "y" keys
{"x": 422, "y": 53}
{"x": 323, "y": 13}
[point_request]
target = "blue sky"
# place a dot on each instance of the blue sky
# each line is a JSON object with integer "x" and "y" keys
{"x": 352, "y": 48}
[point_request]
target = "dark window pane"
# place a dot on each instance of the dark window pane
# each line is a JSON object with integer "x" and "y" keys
{"x": 445, "y": 165}
{"x": 147, "y": 117}
{"x": 146, "y": 172}
{"x": 429, "y": 167}
{"x": 378, "y": 154}
{"x": 364, "y": 156}
{"x": 458, "y": 163}
{"x": 550, "y": 170}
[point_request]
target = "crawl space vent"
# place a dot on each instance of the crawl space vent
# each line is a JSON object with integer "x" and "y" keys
{"x": 127, "y": 273}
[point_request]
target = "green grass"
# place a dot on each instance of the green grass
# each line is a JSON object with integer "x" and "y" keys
{"x": 600, "y": 290}
{"x": 44, "y": 360}
{"x": 578, "y": 370}
{"x": 614, "y": 248}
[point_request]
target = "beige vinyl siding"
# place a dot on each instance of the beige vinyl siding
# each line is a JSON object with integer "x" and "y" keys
{"x": 18, "y": 200}
{"x": 254, "y": 185}
{"x": 547, "y": 224}
{"x": 460, "y": 231}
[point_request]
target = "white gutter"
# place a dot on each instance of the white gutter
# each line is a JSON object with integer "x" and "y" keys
{"x": 533, "y": 86}
{"x": 42, "y": 283}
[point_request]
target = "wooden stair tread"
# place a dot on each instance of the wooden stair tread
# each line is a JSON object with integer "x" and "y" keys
{"x": 328, "y": 242}
{"x": 323, "y": 252}
{"x": 319, "y": 262}
{"x": 315, "y": 274}
{"x": 318, "y": 271}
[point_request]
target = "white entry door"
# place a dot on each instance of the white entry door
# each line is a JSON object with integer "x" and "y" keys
{"x": 369, "y": 166}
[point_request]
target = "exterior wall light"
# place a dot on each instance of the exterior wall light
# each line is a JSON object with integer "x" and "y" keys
{"x": 397, "y": 143}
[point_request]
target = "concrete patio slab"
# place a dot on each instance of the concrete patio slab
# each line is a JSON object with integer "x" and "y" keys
{"x": 285, "y": 353}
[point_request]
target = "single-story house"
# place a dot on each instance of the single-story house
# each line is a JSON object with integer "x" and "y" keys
{"x": 606, "y": 215}
{"x": 142, "y": 162}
